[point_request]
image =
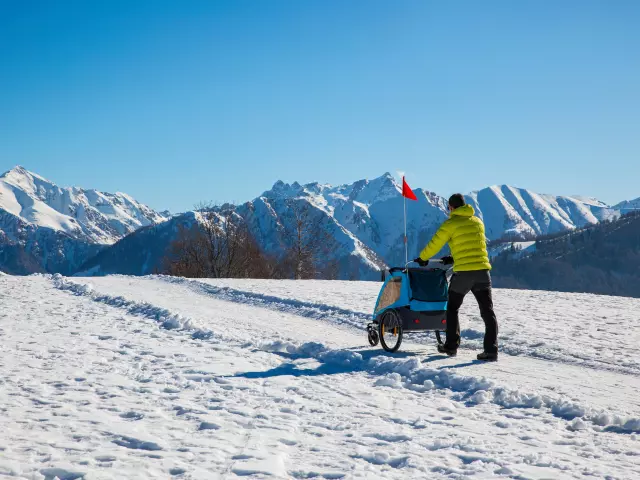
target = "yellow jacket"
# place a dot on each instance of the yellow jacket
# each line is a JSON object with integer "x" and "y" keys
{"x": 465, "y": 235}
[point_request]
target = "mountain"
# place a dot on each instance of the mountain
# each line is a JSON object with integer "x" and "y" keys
{"x": 371, "y": 211}
{"x": 146, "y": 251}
{"x": 364, "y": 221}
{"x": 364, "y": 217}
{"x": 521, "y": 214}
{"x": 602, "y": 258}
{"x": 46, "y": 228}
{"x": 628, "y": 206}
{"x": 141, "y": 253}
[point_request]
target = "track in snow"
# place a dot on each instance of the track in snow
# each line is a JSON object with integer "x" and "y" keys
{"x": 226, "y": 389}
{"x": 518, "y": 337}
{"x": 564, "y": 397}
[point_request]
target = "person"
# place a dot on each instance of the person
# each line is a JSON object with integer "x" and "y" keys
{"x": 465, "y": 235}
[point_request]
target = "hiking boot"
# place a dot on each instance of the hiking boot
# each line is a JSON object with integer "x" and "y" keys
{"x": 449, "y": 351}
{"x": 488, "y": 356}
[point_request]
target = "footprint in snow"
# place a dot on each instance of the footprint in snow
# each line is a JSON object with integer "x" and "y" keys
{"x": 135, "y": 444}
{"x": 389, "y": 438}
{"x": 208, "y": 426}
{"x": 105, "y": 458}
{"x": 132, "y": 415}
{"x": 383, "y": 458}
{"x": 242, "y": 457}
{"x": 289, "y": 443}
{"x": 60, "y": 474}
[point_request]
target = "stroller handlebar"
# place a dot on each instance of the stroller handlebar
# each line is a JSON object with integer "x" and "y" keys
{"x": 434, "y": 263}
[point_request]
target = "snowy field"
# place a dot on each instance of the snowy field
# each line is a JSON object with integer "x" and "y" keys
{"x": 137, "y": 378}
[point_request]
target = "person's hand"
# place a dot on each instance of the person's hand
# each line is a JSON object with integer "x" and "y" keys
{"x": 421, "y": 262}
{"x": 448, "y": 260}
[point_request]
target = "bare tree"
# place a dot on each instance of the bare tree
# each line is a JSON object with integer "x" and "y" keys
{"x": 188, "y": 254}
{"x": 307, "y": 244}
{"x": 220, "y": 245}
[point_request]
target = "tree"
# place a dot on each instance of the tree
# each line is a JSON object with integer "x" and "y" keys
{"x": 219, "y": 245}
{"x": 307, "y": 243}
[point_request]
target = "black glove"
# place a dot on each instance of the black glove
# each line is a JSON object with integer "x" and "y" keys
{"x": 448, "y": 260}
{"x": 421, "y": 262}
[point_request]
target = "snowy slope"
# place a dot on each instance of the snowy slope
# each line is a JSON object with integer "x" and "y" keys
{"x": 98, "y": 217}
{"x": 519, "y": 213}
{"x": 628, "y": 205}
{"x": 140, "y": 378}
{"x": 60, "y": 228}
{"x": 372, "y": 211}
{"x": 516, "y": 249}
{"x": 142, "y": 253}
{"x": 268, "y": 220}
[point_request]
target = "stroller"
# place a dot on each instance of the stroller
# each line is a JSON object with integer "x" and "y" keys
{"x": 411, "y": 300}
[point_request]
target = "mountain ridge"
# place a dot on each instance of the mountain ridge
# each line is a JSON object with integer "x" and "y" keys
{"x": 365, "y": 219}
{"x": 59, "y": 228}
{"x": 67, "y": 229}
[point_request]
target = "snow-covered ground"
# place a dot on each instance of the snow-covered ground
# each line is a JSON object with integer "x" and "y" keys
{"x": 156, "y": 377}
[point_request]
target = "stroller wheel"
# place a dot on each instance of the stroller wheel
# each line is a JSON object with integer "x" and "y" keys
{"x": 390, "y": 331}
{"x": 439, "y": 338}
{"x": 374, "y": 338}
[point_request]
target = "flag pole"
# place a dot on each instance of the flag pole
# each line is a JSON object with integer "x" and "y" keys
{"x": 406, "y": 248}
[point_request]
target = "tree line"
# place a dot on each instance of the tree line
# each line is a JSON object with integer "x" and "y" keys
{"x": 223, "y": 245}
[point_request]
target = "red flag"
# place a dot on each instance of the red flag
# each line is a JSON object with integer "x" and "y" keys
{"x": 407, "y": 192}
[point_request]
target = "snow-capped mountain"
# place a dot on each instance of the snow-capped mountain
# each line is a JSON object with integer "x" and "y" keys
{"x": 364, "y": 222}
{"x": 57, "y": 229}
{"x": 519, "y": 213}
{"x": 628, "y": 206}
{"x": 98, "y": 217}
{"x": 146, "y": 251}
{"x": 369, "y": 212}
{"x": 372, "y": 212}
{"x": 269, "y": 221}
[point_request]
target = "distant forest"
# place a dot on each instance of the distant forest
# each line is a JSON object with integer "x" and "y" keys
{"x": 601, "y": 259}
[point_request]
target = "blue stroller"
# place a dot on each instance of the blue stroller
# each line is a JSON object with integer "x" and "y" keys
{"x": 411, "y": 300}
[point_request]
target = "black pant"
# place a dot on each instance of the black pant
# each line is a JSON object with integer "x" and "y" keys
{"x": 478, "y": 283}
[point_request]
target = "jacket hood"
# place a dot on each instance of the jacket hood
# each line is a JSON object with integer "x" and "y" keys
{"x": 464, "y": 211}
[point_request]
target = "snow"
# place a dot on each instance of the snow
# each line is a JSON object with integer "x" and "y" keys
{"x": 371, "y": 212}
{"x": 628, "y": 206}
{"x": 509, "y": 211}
{"x": 159, "y": 377}
{"x": 98, "y": 217}
{"x": 521, "y": 248}
{"x": 19, "y": 203}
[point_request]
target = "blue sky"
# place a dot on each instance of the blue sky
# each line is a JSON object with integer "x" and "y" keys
{"x": 182, "y": 102}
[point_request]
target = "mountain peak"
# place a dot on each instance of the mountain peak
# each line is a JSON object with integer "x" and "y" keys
{"x": 385, "y": 182}
{"x": 18, "y": 169}
{"x": 386, "y": 177}
{"x": 282, "y": 189}
{"x": 19, "y": 172}
{"x": 85, "y": 215}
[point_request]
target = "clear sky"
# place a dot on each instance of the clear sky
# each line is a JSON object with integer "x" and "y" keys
{"x": 177, "y": 102}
